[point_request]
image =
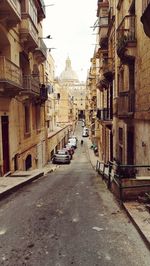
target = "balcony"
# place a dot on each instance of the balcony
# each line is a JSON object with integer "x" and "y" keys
{"x": 103, "y": 42}
{"x": 102, "y": 5}
{"x": 102, "y": 84}
{"x": 126, "y": 38}
{"x": 41, "y": 10}
{"x": 103, "y": 28}
{"x": 31, "y": 85}
{"x": 126, "y": 104}
{"x": 10, "y": 77}
{"x": 40, "y": 52}
{"x": 10, "y": 12}
{"x": 28, "y": 34}
{"x": 34, "y": 90}
{"x": 145, "y": 18}
{"x": 108, "y": 68}
{"x": 104, "y": 114}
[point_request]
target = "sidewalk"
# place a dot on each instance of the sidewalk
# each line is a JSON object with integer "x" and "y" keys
{"x": 9, "y": 184}
{"x": 136, "y": 211}
{"x": 92, "y": 157}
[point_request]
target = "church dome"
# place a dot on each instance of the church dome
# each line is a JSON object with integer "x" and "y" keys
{"x": 68, "y": 74}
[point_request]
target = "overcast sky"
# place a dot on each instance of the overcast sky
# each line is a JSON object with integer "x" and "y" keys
{"x": 69, "y": 22}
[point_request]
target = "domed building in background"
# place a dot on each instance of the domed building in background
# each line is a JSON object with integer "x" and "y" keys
{"x": 68, "y": 75}
{"x": 76, "y": 89}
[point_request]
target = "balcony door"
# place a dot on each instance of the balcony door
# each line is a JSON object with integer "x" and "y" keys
{"x": 5, "y": 143}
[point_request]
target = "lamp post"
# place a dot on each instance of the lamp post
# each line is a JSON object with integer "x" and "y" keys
{"x": 47, "y": 37}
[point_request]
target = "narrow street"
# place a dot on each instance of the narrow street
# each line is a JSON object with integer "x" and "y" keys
{"x": 68, "y": 218}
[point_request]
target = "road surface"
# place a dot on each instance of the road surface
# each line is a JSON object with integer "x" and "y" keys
{"x": 68, "y": 218}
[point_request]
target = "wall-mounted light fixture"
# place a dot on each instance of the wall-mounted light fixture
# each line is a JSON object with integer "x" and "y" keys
{"x": 49, "y": 49}
{"x": 47, "y": 37}
{"x": 48, "y": 5}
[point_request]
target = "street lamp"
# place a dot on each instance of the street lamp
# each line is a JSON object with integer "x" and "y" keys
{"x": 47, "y": 37}
{"x": 49, "y": 49}
{"x": 48, "y": 5}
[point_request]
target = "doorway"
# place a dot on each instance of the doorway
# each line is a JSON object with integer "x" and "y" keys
{"x": 5, "y": 143}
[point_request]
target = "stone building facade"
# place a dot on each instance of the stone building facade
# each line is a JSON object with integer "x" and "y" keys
{"x": 27, "y": 102}
{"x": 22, "y": 91}
{"x": 122, "y": 82}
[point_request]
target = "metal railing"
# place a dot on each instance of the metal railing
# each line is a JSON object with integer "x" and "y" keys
{"x": 9, "y": 72}
{"x": 113, "y": 172}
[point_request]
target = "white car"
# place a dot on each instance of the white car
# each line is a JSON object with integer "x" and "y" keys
{"x": 72, "y": 142}
{"x": 73, "y": 137}
{"x": 85, "y": 134}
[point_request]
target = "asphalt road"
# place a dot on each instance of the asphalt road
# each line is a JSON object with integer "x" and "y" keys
{"x": 68, "y": 218}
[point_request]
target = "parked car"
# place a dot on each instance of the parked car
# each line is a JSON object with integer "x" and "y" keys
{"x": 73, "y": 142}
{"x": 85, "y": 132}
{"x": 61, "y": 156}
{"x": 73, "y": 137}
{"x": 70, "y": 148}
{"x": 69, "y": 151}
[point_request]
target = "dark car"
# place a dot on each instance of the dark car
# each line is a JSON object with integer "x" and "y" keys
{"x": 62, "y": 156}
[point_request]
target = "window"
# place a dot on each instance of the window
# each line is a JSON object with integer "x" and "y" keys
{"x": 120, "y": 135}
{"x": 38, "y": 118}
{"x": 27, "y": 118}
{"x": 33, "y": 12}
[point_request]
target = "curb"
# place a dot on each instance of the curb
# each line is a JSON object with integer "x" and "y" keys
{"x": 89, "y": 155}
{"x": 17, "y": 186}
{"x": 51, "y": 170}
{"x": 146, "y": 241}
{"x": 14, "y": 188}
